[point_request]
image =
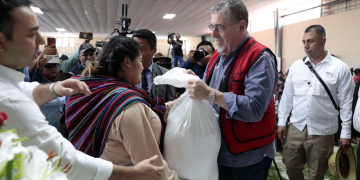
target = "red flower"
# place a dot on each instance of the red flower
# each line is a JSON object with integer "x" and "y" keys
{"x": 3, "y": 117}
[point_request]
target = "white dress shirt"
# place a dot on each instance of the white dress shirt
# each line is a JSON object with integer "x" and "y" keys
{"x": 24, "y": 115}
{"x": 306, "y": 98}
{"x": 356, "y": 118}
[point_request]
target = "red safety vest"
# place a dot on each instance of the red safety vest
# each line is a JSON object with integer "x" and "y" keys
{"x": 241, "y": 136}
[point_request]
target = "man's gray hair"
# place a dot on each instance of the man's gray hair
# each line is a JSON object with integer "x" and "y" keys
{"x": 235, "y": 10}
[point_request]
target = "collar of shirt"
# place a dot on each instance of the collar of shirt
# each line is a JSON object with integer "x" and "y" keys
{"x": 327, "y": 59}
{"x": 11, "y": 74}
{"x": 232, "y": 53}
{"x": 81, "y": 65}
{"x": 225, "y": 60}
{"x": 151, "y": 66}
{"x": 148, "y": 76}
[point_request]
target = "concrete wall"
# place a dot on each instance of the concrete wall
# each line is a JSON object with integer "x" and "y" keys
{"x": 342, "y": 32}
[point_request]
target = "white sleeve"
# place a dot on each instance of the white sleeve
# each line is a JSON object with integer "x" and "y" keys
{"x": 356, "y": 119}
{"x": 28, "y": 88}
{"x": 345, "y": 96}
{"x": 286, "y": 102}
{"x": 25, "y": 116}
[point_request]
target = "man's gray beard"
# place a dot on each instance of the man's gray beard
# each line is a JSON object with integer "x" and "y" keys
{"x": 220, "y": 49}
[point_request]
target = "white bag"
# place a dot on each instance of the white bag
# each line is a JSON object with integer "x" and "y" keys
{"x": 192, "y": 136}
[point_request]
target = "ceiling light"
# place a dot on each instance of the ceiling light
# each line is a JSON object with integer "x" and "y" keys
{"x": 60, "y": 29}
{"x": 36, "y": 10}
{"x": 169, "y": 16}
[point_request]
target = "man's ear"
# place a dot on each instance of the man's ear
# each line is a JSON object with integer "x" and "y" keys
{"x": 323, "y": 40}
{"x": 154, "y": 51}
{"x": 242, "y": 25}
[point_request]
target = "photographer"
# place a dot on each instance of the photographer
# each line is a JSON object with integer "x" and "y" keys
{"x": 74, "y": 60}
{"x": 199, "y": 59}
{"x": 35, "y": 73}
{"x": 177, "y": 52}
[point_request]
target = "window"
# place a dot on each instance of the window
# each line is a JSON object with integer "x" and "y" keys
{"x": 66, "y": 42}
{"x": 263, "y": 22}
{"x": 58, "y": 42}
{"x": 72, "y": 42}
{"x": 302, "y": 16}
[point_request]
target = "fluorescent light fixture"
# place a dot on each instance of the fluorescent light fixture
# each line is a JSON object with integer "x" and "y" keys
{"x": 169, "y": 16}
{"x": 36, "y": 10}
{"x": 60, "y": 29}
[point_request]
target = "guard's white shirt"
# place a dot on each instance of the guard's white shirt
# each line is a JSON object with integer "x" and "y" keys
{"x": 310, "y": 105}
{"x": 24, "y": 115}
{"x": 356, "y": 118}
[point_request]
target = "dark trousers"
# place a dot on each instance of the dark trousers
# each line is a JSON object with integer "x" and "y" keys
{"x": 257, "y": 171}
{"x": 357, "y": 164}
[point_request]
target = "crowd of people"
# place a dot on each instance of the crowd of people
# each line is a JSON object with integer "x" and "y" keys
{"x": 109, "y": 117}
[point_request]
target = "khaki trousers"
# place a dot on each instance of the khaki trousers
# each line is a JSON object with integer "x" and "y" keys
{"x": 313, "y": 150}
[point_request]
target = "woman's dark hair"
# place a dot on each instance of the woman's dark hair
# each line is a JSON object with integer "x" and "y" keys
{"x": 113, "y": 54}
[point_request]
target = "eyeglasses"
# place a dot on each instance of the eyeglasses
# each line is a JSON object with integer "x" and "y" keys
{"x": 220, "y": 28}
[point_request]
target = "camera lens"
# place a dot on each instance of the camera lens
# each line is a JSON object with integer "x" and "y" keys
{"x": 200, "y": 54}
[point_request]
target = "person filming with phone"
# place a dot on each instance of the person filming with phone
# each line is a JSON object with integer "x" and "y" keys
{"x": 74, "y": 60}
{"x": 86, "y": 55}
{"x": 40, "y": 72}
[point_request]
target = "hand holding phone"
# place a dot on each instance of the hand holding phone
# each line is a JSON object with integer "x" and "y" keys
{"x": 51, "y": 41}
{"x": 41, "y": 61}
{"x": 84, "y": 35}
{"x": 50, "y": 50}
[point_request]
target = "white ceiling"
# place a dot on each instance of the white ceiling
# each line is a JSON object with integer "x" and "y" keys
{"x": 100, "y": 16}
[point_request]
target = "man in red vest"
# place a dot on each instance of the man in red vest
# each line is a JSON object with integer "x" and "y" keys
{"x": 240, "y": 81}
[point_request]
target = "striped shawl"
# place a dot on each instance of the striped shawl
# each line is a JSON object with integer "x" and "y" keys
{"x": 89, "y": 118}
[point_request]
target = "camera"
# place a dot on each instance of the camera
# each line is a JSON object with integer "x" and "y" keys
{"x": 100, "y": 43}
{"x": 171, "y": 38}
{"x": 200, "y": 54}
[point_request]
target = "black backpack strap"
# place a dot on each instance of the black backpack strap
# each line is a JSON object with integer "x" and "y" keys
{"x": 322, "y": 82}
{"x": 356, "y": 96}
{"x": 355, "y": 133}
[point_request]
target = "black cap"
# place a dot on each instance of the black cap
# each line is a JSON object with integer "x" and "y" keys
{"x": 86, "y": 46}
{"x": 64, "y": 57}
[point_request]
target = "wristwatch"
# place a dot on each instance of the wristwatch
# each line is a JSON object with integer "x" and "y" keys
{"x": 51, "y": 89}
{"x": 211, "y": 96}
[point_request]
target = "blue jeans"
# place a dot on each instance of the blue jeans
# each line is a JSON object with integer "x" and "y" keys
{"x": 180, "y": 59}
{"x": 258, "y": 171}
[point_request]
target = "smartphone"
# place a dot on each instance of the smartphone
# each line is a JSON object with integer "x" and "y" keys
{"x": 51, "y": 41}
{"x": 85, "y": 35}
{"x": 52, "y": 58}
